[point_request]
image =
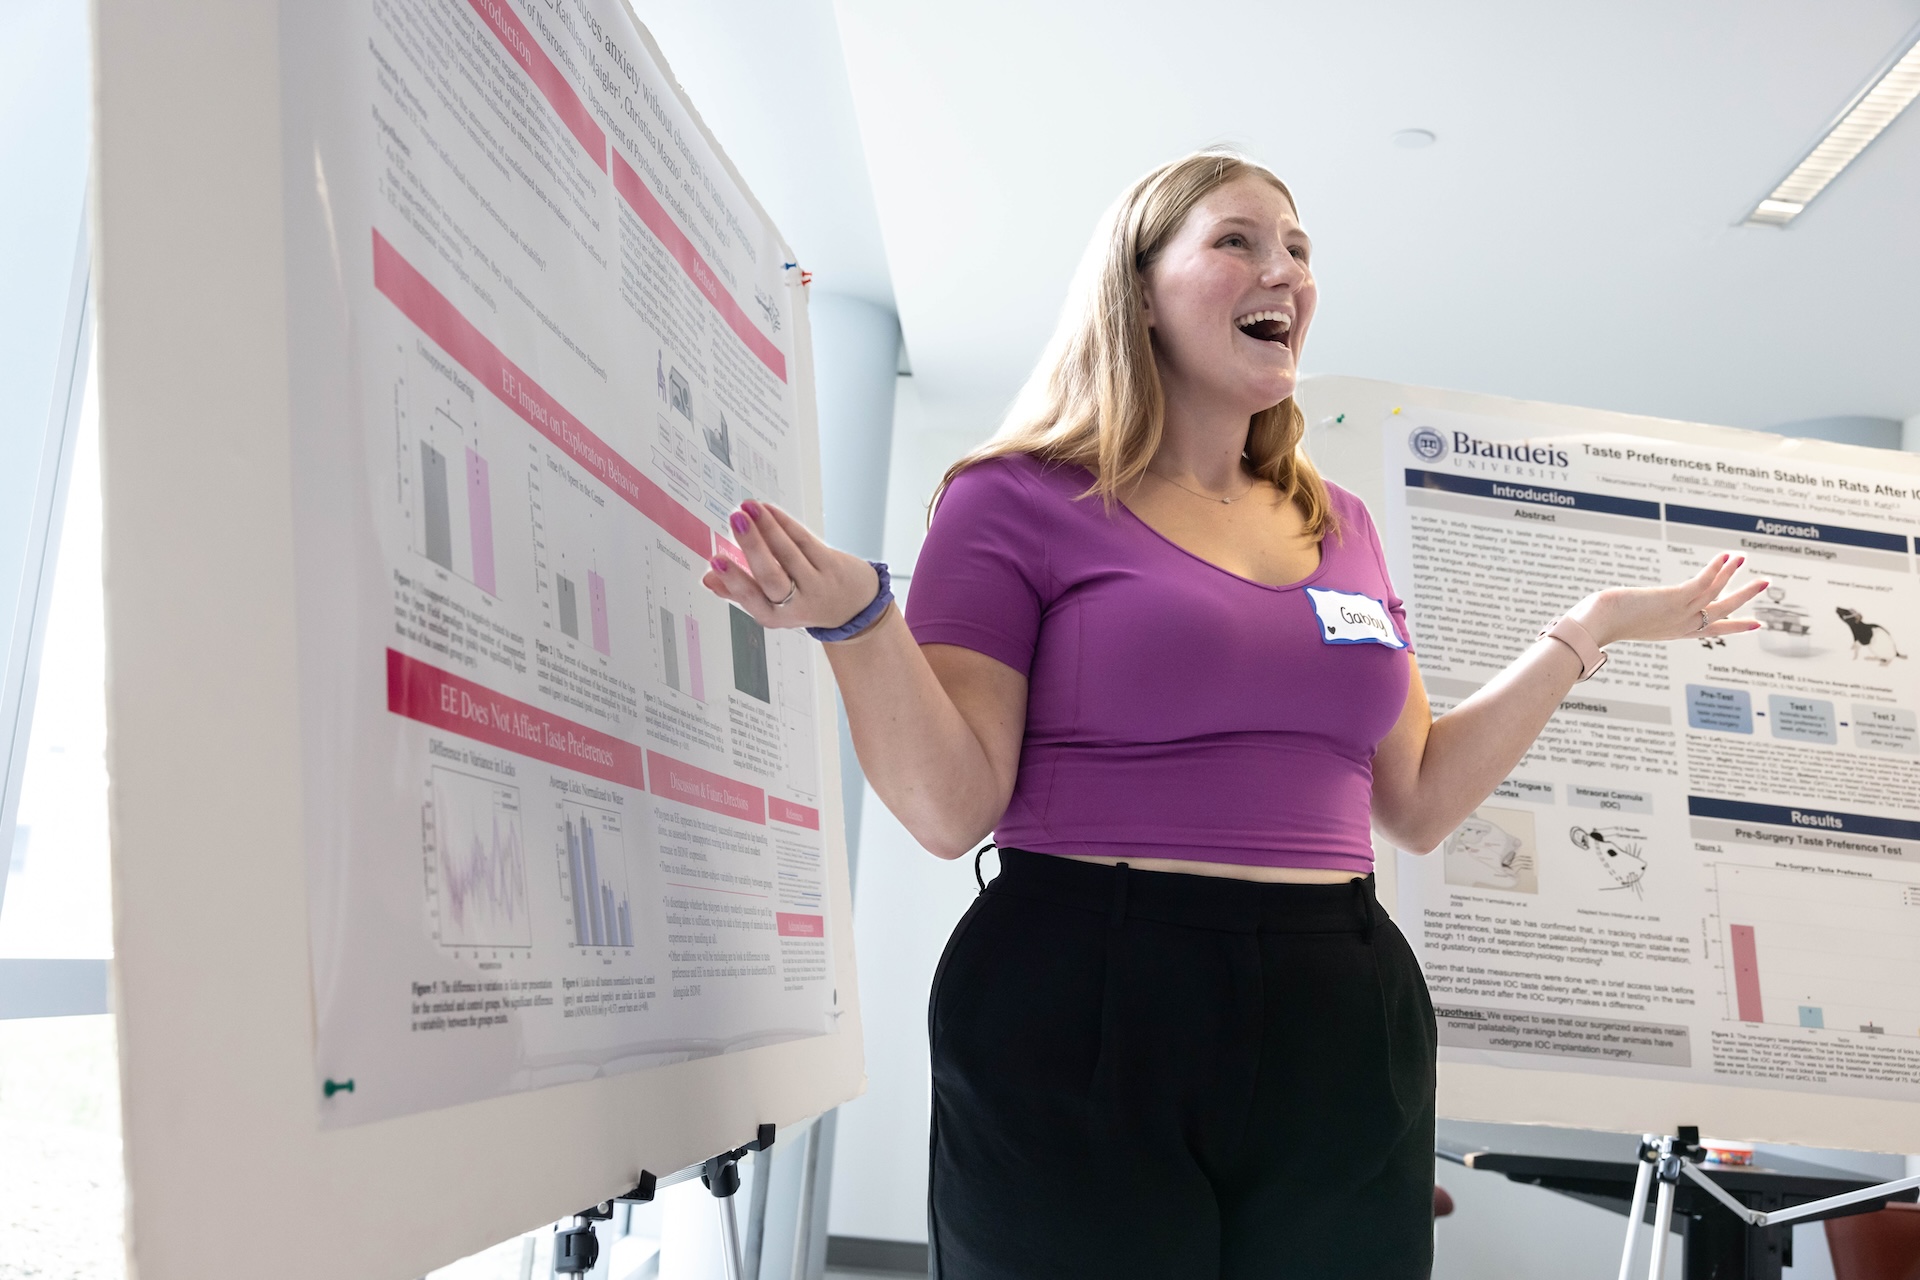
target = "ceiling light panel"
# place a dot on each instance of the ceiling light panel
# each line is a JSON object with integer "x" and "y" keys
{"x": 1859, "y": 125}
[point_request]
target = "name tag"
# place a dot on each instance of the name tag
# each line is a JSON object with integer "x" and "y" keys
{"x": 1347, "y": 617}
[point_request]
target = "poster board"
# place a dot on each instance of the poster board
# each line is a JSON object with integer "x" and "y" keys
{"x": 1697, "y": 900}
{"x": 468, "y": 858}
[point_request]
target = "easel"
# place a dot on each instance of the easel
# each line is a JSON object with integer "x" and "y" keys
{"x": 1672, "y": 1157}
{"x": 576, "y": 1248}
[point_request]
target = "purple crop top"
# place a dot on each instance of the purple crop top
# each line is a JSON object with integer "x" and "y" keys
{"x": 1174, "y": 709}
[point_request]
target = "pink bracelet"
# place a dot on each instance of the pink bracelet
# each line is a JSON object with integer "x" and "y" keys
{"x": 1577, "y": 638}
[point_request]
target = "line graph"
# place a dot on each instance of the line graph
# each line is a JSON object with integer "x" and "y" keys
{"x": 477, "y": 862}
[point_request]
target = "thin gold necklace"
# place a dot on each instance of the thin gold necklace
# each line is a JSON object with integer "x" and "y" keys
{"x": 1225, "y": 502}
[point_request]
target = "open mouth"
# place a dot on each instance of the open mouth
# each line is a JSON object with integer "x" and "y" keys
{"x": 1267, "y": 326}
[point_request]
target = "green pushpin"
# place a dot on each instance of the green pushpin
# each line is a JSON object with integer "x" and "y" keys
{"x": 337, "y": 1086}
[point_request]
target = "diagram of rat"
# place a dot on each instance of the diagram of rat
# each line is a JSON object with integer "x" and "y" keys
{"x": 1621, "y": 853}
{"x": 1871, "y": 640}
{"x": 1791, "y": 629}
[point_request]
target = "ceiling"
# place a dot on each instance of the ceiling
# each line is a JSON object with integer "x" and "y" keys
{"x": 1570, "y": 237}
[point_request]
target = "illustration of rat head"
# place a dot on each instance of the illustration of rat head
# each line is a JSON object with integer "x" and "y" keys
{"x": 1619, "y": 858}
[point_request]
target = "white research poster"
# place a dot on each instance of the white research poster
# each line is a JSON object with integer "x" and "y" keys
{"x": 1707, "y": 869}
{"x": 563, "y": 806}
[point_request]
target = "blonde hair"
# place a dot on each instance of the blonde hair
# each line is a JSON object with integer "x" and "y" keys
{"x": 1095, "y": 398}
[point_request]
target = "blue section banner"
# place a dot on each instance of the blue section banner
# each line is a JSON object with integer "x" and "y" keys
{"x": 1538, "y": 494}
{"x": 1786, "y": 527}
{"x": 1775, "y": 815}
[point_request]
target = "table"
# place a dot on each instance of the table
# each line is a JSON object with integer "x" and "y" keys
{"x": 1599, "y": 1168}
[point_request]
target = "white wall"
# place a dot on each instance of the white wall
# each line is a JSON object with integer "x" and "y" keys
{"x": 906, "y": 902}
{"x": 44, "y": 110}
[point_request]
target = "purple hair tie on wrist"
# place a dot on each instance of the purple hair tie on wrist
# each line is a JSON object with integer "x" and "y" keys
{"x": 866, "y": 617}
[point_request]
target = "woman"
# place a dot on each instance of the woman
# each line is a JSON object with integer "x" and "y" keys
{"x": 1155, "y": 654}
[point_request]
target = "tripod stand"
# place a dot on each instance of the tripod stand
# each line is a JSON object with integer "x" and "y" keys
{"x": 1670, "y": 1158}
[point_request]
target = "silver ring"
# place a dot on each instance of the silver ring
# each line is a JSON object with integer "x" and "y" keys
{"x": 1703, "y": 621}
{"x": 793, "y": 589}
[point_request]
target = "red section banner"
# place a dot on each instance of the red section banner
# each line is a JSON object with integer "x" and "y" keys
{"x": 440, "y": 320}
{"x": 792, "y": 925}
{"x": 794, "y": 815}
{"x": 548, "y": 78}
{"x": 661, "y": 223}
{"x": 704, "y": 789}
{"x": 423, "y": 692}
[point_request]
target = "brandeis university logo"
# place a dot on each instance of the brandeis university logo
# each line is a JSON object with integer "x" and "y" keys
{"x": 1427, "y": 444}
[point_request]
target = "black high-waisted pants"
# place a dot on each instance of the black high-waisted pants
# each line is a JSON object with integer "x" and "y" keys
{"x": 1144, "y": 1074}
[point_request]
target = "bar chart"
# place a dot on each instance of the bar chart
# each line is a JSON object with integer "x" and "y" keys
{"x": 572, "y": 535}
{"x": 1836, "y": 949}
{"x": 445, "y": 483}
{"x": 476, "y": 862}
{"x": 437, "y": 510}
{"x": 567, "y": 599}
{"x": 597, "y": 609}
{"x": 594, "y": 875}
{"x": 680, "y": 665}
{"x": 749, "y": 656}
{"x": 675, "y": 628}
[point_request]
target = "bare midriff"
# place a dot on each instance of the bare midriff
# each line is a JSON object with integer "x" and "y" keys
{"x": 1226, "y": 870}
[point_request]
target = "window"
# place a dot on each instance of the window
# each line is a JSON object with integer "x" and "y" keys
{"x": 57, "y": 903}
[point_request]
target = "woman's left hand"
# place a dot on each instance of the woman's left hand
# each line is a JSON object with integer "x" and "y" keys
{"x": 1697, "y": 608}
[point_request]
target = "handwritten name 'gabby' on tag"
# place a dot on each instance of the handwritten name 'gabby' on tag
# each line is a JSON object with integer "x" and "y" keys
{"x": 1346, "y": 617}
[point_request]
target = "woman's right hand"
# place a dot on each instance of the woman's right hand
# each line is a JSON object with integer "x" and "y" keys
{"x": 792, "y": 578}
{"x": 938, "y": 731}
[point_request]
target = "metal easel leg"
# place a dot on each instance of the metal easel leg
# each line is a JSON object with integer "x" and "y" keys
{"x": 730, "y": 1238}
{"x": 721, "y": 1174}
{"x": 1663, "y": 1213}
{"x": 754, "y": 1247}
{"x": 1638, "y": 1210}
{"x": 810, "y": 1226}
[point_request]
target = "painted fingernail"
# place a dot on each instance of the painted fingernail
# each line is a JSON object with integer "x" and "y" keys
{"x": 751, "y": 507}
{"x": 738, "y": 521}
{"x": 720, "y": 564}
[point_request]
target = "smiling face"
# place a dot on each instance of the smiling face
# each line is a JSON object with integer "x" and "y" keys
{"x": 1229, "y": 299}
